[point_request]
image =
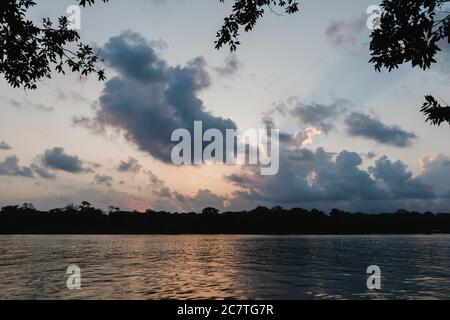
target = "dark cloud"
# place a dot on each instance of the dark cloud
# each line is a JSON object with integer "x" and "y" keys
{"x": 104, "y": 180}
{"x": 320, "y": 116}
{"x": 307, "y": 176}
{"x": 230, "y": 67}
{"x": 364, "y": 126}
{"x": 42, "y": 172}
{"x": 135, "y": 58}
{"x": 371, "y": 155}
{"x": 10, "y": 167}
{"x": 58, "y": 159}
{"x": 85, "y": 122}
{"x": 149, "y": 99}
{"x": 325, "y": 180}
{"x": 435, "y": 171}
{"x": 130, "y": 165}
{"x": 4, "y": 146}
{"x": 399, "y": 180}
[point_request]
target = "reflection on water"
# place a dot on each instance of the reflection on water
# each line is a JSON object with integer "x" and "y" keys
{"x": 224, "y": 267}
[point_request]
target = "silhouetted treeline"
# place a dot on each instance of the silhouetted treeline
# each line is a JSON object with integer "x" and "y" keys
{"x": 85, "y": 219}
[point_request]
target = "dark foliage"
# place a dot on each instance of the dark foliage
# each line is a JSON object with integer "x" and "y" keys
{"x": 210, "y": 210}
{"x": 435, "y": 112}
{"x": 245, "y": 15}
{"x": 29, "y": 51}
{"x": 85, "y": 219}
{"x": 411, "y": 31}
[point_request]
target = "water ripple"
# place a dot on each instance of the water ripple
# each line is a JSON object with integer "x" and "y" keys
{"x": 224, "y": 267}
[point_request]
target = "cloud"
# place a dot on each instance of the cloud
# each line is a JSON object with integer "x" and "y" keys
{"x": 370, "y": 155}
{"x": 174, "y": 201}
{"x": 349, "y": 36}
{"x": 321, "y": 116}
{"x": 104, "y": 180}
{"x": 435, "y": 170}
{"x": 294, "y": 140}
{"x": 57, "y": 159}
{"x": 230, "y": 67}
{"x": 4, "y": 146}
{"x": 72, "y": 95}
{"x": 399, "y": 180}
{"x": 202, "y": 199}
{"x": 307, "y": 176}
{"x": 149, "y": 99}
{"x": 298, "y": 139}
{"x": 10, "y": 167}
{"x": 130, "y": 165}
{"x": 321, "y": 179}
{"x": 164, "y": 198}
{"x": 303, "y": 138}
{"x": 43, "y": 172}
{"x": 364, "y": 126}
{"x": 26, "y": 104}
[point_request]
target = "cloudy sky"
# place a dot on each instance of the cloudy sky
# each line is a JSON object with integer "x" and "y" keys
{"x": 351, "y": 138}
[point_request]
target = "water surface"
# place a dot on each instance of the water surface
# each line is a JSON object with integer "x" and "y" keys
{"x": 224, "y": 267}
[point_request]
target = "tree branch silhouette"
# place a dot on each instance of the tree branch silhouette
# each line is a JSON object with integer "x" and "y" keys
{"x": 411, "y": 31}
{"x": 246, "y": 14}
{"x": 28, "y": 51}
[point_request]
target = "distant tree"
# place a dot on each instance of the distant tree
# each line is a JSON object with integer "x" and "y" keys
{"x": 27, "y": 206}
{"x": 85, "y": 205}
{"x": 23, "y": 220}
{"x": 401, "y": 211}
{"x": 336, "y": 213}
{"x": 299, "y": 211}
{"x": 277, "y": 209}
{"x": 70, "y": 209}
{"x": 28, "y": 51}
{"x": 210, "y": 210}
{"x": 317, "y": 212}
{"x": 412, "y": 31}
{"x": 113, "y": 209}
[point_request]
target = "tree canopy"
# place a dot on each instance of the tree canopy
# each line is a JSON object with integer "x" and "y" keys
{"x": 412, "y": 31}
{"x": 245, "y": 15}
{"x": 28, "y": 51}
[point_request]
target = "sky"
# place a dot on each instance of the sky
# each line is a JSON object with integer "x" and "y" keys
{"x": 353, "y": 138}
